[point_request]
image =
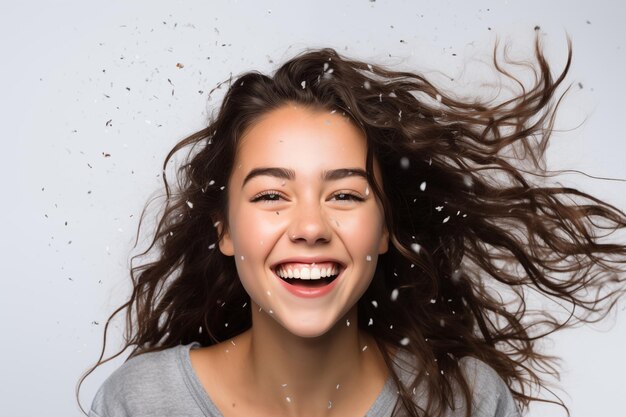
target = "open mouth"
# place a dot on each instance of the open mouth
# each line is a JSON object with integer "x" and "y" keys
{"x": 308, "y": 275}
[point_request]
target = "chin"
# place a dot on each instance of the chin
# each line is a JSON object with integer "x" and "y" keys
{"x": 307, "y": 327}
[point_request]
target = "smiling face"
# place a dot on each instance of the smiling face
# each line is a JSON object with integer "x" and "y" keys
{"x": 298, "y": 201}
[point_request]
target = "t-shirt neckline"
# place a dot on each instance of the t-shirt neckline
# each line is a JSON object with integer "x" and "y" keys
{"x": 208, "y": 407}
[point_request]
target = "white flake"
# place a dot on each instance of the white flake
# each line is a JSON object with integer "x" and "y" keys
{"x": 415, "y": 247}
{"x": 212, "y": 246}
{"x": 404, "y": 162}
{"x": 394, "y": 294}
{"x": 404, "y": 341}
{"x": 375, "y": 303}
{"x": 368, "y": 258}
{"x": 446, "y": 219}
{"x": 190, "y": 204}
{"x": 423, "y": 186}
{"x": 303, "y": 84}
{"x": 371, "y": 322}
{"x": 367, "y": 85}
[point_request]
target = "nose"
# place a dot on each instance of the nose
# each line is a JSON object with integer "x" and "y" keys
{"x": 309, "y": 225}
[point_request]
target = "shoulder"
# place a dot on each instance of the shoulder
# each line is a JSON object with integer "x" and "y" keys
{"x": 491, "y": 396}
{"x": 140, "y": 384}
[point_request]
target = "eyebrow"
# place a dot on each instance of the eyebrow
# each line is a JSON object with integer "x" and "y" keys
{"x": 290, "y": 174}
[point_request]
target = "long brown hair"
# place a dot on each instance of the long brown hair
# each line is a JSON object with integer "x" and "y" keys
{"x": 473, "y": 229}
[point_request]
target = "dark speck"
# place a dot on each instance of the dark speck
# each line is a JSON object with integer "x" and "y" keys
{"x": 128, "y": 88}
{"x": 537, "y": 27}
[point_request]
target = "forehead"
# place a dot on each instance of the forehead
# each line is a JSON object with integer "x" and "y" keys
{"x": 302, "y": 138}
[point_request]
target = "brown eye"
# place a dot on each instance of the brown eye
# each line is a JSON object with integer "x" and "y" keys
{"x": 344, "y": 196}
{"x": 267, "y": 196}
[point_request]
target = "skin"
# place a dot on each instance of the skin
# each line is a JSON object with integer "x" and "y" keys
{"x": 306, "y": 344}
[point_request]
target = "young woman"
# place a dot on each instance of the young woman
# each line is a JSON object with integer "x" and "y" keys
{"x": 347, "y": 240}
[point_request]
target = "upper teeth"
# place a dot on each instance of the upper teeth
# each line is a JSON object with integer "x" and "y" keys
{"x": 304, "y": 271}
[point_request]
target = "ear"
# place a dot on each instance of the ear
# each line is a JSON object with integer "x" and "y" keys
{"x": 383, "y": 245}
{"x": 226, "y": 242}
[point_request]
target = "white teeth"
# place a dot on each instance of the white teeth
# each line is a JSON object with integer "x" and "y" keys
{"x": 307, "y": 273}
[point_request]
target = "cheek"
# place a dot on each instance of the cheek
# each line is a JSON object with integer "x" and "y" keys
{"x": 255, "y": 231}
{"x": 361, "y": 230}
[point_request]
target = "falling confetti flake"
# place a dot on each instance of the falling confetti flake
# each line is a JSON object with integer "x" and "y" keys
{"x": 368, "y": 258}
{"x": 375, "y": 303}
{"x": 415, "y": 247}
{"x": 394, "y": 294}
{"x": 423, "y": 186}
{"x": 404, "y": 162}
{"x": 404, "y": 341}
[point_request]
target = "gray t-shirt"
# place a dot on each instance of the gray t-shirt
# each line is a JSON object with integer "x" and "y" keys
{"x": 164, "y": 384}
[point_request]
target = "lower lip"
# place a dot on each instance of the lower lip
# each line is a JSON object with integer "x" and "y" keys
{"x": 309, "y": 292}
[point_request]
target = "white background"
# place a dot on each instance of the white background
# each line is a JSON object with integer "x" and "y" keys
{"x": 69, "y": 67}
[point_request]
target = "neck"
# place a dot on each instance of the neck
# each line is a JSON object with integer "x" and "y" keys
{"x": 313, "y": 376}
